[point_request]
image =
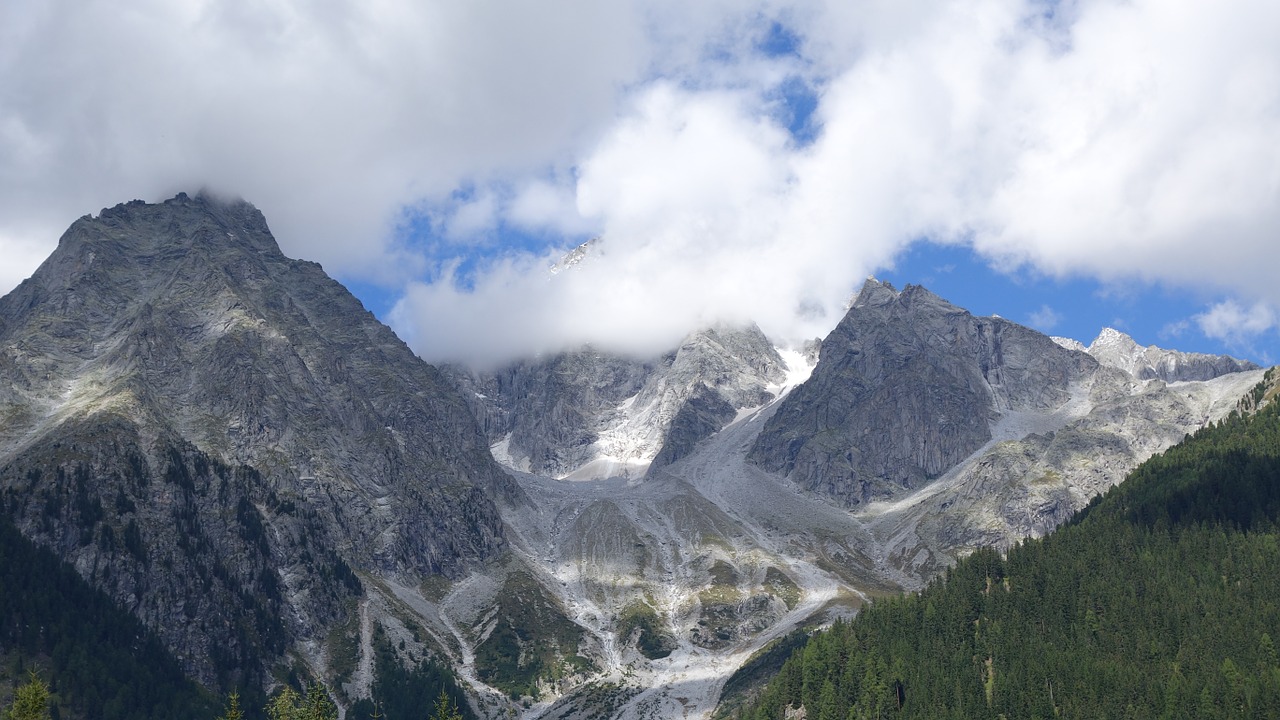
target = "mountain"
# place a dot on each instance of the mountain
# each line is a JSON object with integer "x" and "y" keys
{"x": 1115, "y": 349}
{"x": 216, "y": 435}
{"x": 906, "y": 386}
{"x": 591, "y": 414}
{"x": 654, "y": 526}
{"x": 1158, "y": 600}
{"x": 229, "y": 446}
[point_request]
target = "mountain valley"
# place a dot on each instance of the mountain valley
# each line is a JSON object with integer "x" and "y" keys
{"x": 233, "y": 449}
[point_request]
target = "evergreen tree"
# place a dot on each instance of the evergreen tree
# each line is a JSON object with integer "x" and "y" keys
{"x": 233, "y": 711}
{"x": 445, "y": 709}
{"x": 30, "y": 701}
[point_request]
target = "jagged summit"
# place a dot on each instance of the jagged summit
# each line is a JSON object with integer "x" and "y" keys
{"x": 874, "y": 292}
{"x": 174, "y": 359}
{"x": 588, "y": 414}
{"x": 906, "y": 386}
{"x": 576, "y": 256}
{"x": 1114, "y": 348}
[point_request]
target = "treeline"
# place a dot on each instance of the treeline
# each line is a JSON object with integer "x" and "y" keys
{"x": 1160, "y": 600}
{"x": 101, "y": 661}
{"x": 402, "y": 693}
{"x": 95, "y": 660}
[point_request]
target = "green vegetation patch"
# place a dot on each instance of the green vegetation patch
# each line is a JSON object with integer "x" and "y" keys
{"x": 782, "y": 586}
{"x": 99, "y": 660}
{"x": 344, "y": 646}
{"x": 720, "y": 607}
{"x": 407, "y": 691}
{"x": 724, "y": 585}
{"x": 435, "y": 587}
{"x": 745, "y": 685}
{"x": 532, "y": 640}
{"x": 654, "y": 642}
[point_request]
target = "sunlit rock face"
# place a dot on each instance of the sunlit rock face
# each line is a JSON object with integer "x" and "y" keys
{"x": 1115, "y": 349}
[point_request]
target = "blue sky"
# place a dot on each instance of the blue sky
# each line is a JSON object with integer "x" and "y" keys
{"x": 1077, "y": 308}
{"x": 1119, "y": 163}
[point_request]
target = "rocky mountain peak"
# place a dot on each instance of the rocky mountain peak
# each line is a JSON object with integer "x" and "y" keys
{"x": 1116, "y": 349}
{"x": 592, "y": 414}
{"x": 195, "y": 380}
{"x": 874, "y": 292}
{"x": 906, "y": 386}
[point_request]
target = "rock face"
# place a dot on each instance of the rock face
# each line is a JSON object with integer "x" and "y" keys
{"x": 1115, "y": 349}
{"x": 907, "y": 386}
{"x": 590, "y": 414}
{"x": 216, "y": 434}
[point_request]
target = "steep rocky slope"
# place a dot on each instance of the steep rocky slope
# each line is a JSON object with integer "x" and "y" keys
{"x": 217, "y": 434}
{"x": 590, "y": 414}
{"x": 906, "y": 386}
{"x": 974, "y": 432}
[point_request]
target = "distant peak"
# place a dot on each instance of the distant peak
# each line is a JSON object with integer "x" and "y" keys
{"x": 575, "y": 256}
{"x": 1112, "y": 336}
{"x": 1118, "y": 350}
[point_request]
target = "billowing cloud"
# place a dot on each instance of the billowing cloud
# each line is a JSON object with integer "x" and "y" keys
{"x": 331, "y": 117}
{"x": 1134, "y": 141}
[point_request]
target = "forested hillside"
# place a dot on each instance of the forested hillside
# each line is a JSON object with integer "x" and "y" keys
{"x": 99, "y": 660}
{"x": 1159, "y": 600}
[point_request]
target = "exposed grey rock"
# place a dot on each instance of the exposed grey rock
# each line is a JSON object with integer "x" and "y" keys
{"x": 1118, "y": 350}
{"x": 243, "y": 413}
{"x": 1028, "y": 484}
{"x": 1069, "y": 344}
{"x": 550, "y": 413}
{"x": 906, "y": 386}
{"x": 701, "y": 416}
{"x": 595, "y": 414}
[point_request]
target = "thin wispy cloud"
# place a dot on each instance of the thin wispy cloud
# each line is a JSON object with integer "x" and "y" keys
{"x": 1044, "y": 319}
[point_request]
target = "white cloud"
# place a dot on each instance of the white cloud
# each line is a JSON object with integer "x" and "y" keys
{"x": 331, "y": 117}
{"x": 1135, "y": 140}
{"x": 1175, "y": 329}
{"x": 1234, "y": 324}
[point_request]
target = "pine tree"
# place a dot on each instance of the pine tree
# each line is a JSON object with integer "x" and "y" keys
{"x": 283, "y": 706}
{"x": 289, "y": 705}
{"x": 445, "y": 709}
{"x": 233, "y": 711}
{"x": 30, "y": 701}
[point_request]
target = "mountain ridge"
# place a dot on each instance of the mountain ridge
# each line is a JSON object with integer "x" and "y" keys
{"x": 176, "y": 381}
{"x": 230, "y": 445}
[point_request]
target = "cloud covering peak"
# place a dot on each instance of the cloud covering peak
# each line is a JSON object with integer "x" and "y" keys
{"x": 739, "y": 160}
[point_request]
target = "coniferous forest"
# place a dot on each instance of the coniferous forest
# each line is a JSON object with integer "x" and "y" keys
{"x": 100, "y": 661}
{"x": 1160, "y": 600}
